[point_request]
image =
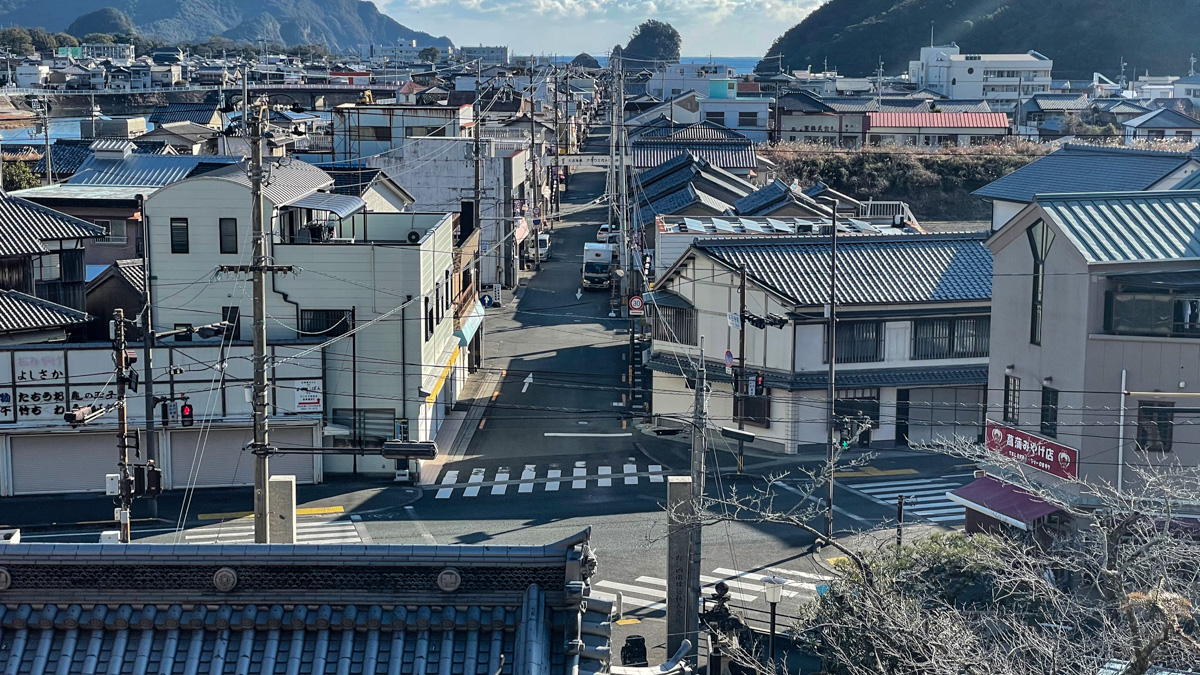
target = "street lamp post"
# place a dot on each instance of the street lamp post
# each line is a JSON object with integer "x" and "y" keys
{"x": 773, "y": 590}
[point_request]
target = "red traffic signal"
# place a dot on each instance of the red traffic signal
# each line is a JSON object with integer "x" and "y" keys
{"x": 185, "y": 415}
{"x": 758, "y": 381}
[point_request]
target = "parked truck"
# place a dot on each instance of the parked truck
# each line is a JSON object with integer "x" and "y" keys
{"x": 597, "y": 265}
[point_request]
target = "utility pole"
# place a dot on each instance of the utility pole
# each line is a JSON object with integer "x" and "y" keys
{"x": 739, "y": 401}
{"x": 148, "y": 349}
{"x": 533, "y": 163}
{"x": 613, "y": 123}
{"x": 120, "y": 360}
{"x": 476, "y": 210}
{"x": 558, "y": 137}
{"x": 46, "y": 132}
{"x": 258, "y": 270}
{"x": 699, "y": 439}
{"x": 831, "y": 391}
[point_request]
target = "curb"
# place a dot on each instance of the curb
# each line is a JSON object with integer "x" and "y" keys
{"x": 100, "y": 526}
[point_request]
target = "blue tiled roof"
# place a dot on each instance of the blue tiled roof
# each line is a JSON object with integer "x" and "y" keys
{"x": 199, "y": 113}
{"x": 1085, "y": 168}
{"x": 1129, "y": 226}
{"x": 871, "y": 270}
{"x": 1164, "y": 118}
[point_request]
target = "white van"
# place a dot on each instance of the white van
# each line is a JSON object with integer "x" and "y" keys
{"x": 544, "y": 247}
{"x": 603, "y": 234}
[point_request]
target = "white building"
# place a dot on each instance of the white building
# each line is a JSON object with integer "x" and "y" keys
{"x": 394, "y": 276}
{"x": 31, "y": 75}
{"x": 487, "y": 56}
{"x": 403, "y": 52}
{"x": 116, "y": 52}
{"x": 366, "y": 130}
{"x": 912, "y": 345}
{"x": 1001, "y": 79}
{"x": 747, "y": 115}
{"x": 678, "y": 78}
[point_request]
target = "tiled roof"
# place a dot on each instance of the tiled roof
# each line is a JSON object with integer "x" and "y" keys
{"x": 678, "y": 200}
{"x": 25, "y": 224}
{"x": 143, "y": 170}
{"x": 871, "y": 270}
{"x": 799, "y": 101}
{"x": 770, "y": 197}
{"x": 648, "y": 153}
{"x": 200, "y": 113}
{"x": 965, "y": 105}
{"x": 863, "y": 104}
{"x": 130, "y": 270}
{"x": 67, "y": 154}
{"x": 1129, "y": 226}
{"x": 942, "y": 120}
{"x": 693, "y": 171}
{"x": 1086, "y": 168}
{"x": 1164, "y": 118}
{"x": 655, "y": 172}
{"x": 288, "y": 182}
{"x": 1058, "y": 102}
{"x": 196, "y": 133}
{"x": 21, "y": 312}
{"x": 1119, "y": 106}
{"x": 305, "y": 609}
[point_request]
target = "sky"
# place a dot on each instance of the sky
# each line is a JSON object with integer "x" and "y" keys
{"x": 568, "y": 27}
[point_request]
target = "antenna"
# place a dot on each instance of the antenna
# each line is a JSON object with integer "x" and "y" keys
{"x": 1192, "y": 65}
{"x": 931, "y": 44}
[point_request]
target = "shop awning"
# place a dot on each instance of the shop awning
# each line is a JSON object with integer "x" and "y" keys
{"x": 470, "y": 325}
{"x": 1006, "y": 503}
{"x": 341, "y": 205}
{"x": 521, "y": 232}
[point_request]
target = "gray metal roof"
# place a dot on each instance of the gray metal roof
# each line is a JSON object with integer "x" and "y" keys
{"x": 68, "y": 154}
{"x": 25, "y": 224}
{"x": 142, "y": 170}
{"x": 288, "y": 180}
{"x": 21, "y": 312}
{"x": 1129, "y": 226}
{"x": 1086, "y": 168}
{"x": 727, "y": 155}
{"x": 1164, "y": 118}
{"x": 890, "y": 270}
{"x": 341, "y": 205}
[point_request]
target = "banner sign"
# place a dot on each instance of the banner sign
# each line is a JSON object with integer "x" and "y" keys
{"x": 1042, "y": 454}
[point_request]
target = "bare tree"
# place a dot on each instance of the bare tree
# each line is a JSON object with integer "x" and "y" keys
{"x": 1114, "y": 589}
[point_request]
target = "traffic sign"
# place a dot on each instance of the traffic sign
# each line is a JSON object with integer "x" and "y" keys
{"x": 636, "y": 305}
{"x": 728, "y": 358}
{"x": 486, "y": 300}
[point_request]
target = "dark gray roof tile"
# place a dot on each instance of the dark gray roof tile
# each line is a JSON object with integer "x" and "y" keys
{"x": 1086, "y": 168}
{"x": 21, "y": 312}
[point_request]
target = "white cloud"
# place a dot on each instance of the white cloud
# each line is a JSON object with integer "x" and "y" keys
{"x": 723, "y": 27}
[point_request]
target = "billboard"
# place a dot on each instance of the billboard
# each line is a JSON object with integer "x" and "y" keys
{"x": 1031, "y": 450}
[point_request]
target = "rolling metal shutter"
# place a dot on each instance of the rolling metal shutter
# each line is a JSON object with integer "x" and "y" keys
{"x": 219, "y": 461}
{"x": 55, "y": 463}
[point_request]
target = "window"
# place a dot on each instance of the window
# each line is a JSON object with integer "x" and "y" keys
{"x": 114, "y": 232}
{"x": 229, "y": 235}
{"x": 959, "y": 338}
{"x": 449, "y": 300}
{"x": 673, "y": 324}
{"x": 1049, "y": 412}
{"x": 858, "y": 342}
{"x": 179, "y": 235}
{"x": 715, "y": 117}
{"x": 1183, "y": 134}
{"x": 233, "y": 315}
{"x": 1155, "y": 424}
{"x": 369, "y": 427}
{"x": 366, "y": 133}
{"x": 428, "y": 319}
{"x": 47, "y": 267}
{"x": 324, "y": 322}
{"x": 183, "y": 337}
{"x": 1012, "y": 399}
{"x": 748, "y": 119}
{"x": 1040, "y": 239}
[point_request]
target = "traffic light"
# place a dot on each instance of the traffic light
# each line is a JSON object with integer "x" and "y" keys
{"x": 758, "y": 381}
{"x": 166, "y": 415}
{"x": 82, "y": 415}
{"x": 185, "y": 415}
{"x": 147, "y": 480}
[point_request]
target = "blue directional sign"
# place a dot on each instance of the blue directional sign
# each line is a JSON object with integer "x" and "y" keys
{"x": 487, "y": 300}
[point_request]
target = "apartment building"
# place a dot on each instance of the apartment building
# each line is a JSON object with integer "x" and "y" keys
{"x": 1001, "y": 79}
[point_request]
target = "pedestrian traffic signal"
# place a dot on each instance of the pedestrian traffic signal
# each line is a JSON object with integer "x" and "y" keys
{"x": 185, "y": 415}
{"x": 758, "y": 382}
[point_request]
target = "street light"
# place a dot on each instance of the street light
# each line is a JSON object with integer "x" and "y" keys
{"x": 773, "y": 589}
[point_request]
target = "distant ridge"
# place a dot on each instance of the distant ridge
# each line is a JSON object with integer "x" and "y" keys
{"x": 337, "y": 24}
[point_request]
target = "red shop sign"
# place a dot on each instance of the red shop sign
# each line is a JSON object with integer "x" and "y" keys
{"x": 1035, "y": 451}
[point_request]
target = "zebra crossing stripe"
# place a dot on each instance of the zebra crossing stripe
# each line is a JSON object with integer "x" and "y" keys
{"x": 476, "y": 477}
{"x": 656, "y": 473}
{"x": 893, "y": 483}
{"x": 450, "y": 478}
{"x": 912, "y": 493}
{"x": 579, "y": 471}
{"x": 501, "y": 487}
{"x": 630, "y": 468}
{"x": 527, "y": 477}
{"x": 632, "y": 601}
{"x": 605, "y": 482}
{"x": 552, "y": 486}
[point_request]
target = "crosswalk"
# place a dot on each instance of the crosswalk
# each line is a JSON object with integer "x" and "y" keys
{"x": 550, "y": 478}
{"x": 647, "y": 596}
{"x": 926, "y": 498}
{"x": 308, "y": 531}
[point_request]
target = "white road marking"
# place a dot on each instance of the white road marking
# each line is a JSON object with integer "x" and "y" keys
{"x": 892, "y": 483}
{"x": 605, "y": 482}
{"x": 476, "y": 477}
{"x": 527, "y": 477}
{"x": 631, "y": 601}
{"x": 561, "y": 434}
{"x": 631, "y": 480}
{"x": 450, "y": 478}
{"x": 580, "y": 470}
{"x": 656, "y": 473}
{"x": 421, "y": 529}
{"x": 552, "y": 486}
{"x": 528, "y": 381}
{"x": 501, "y": 487}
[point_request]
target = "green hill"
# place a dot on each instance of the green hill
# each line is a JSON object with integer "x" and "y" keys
{"x": 1081, "y": 36}
{"x": 338, "y": 24}
{"x": 107, "y": 20}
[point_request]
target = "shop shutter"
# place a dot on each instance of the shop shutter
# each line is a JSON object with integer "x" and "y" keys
{"x": 55, "y": 463}
{"x": 219, "y": 461}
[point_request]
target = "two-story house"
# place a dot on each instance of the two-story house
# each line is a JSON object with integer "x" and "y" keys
{"x": 361, "y": 130}
{"x": 379, "y": 288}
{"x": 1095, "y": 346}
{"x": 1163, "y": 124}
{"x": 911, "y": 336}
{"x": 748, "y": 115}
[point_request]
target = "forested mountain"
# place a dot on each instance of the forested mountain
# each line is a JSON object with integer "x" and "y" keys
{"x": 1081, "y": 36}
{"x": 338, "y": 24}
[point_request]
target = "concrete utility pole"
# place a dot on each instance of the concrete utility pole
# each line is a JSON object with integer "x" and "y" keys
{"x": 613, "y": 122}
{"x": 739, "y": 400}
{"x": 120, "y": 360}
{"x": 699, "y": 447}
{"x": 533, "y": 163}
{"x": 148, "y": 350}
{"x": 476, "y": 210}
{"x": 258, "y": 270}
{"x": 831, "y": 391}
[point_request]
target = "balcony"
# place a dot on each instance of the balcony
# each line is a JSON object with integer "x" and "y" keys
{"x": 1170, "y": 315}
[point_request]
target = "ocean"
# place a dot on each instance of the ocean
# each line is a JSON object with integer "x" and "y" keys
{"x": 743, "y": 64}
